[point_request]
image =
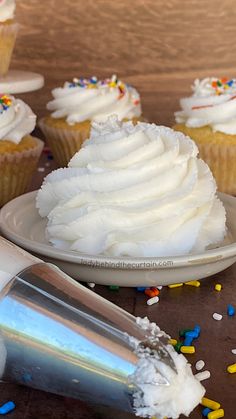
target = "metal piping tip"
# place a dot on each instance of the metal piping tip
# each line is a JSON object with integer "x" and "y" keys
{"x": 60, "y": 337}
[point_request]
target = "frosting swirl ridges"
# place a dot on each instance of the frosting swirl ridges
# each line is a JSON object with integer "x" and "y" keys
{"x": 133, "y": 190}
{"x": 16, "y": 119}
{"x": 213, "y": 103}
{"x": 94, "y": 100}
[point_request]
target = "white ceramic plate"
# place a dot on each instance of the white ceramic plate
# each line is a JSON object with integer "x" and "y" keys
{"x": 20, "y": 223}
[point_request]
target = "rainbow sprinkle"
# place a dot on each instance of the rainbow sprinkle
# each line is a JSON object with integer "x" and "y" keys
{"x": 94, "y": 83}
{"x": 5, "y": 102}
{"x": 221, "y": 85}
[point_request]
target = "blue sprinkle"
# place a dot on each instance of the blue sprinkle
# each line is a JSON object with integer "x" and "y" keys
{"x": 193, "y": 334}
{"x": 50, "y": 157}
{"x": 230, "y": 83}
{"x": 197, "y": 329}
{"x": 230, "y": 310}
{"x": 188, "y": 340}
{"x": 7, "y": 407}
{"x": 141, "y": 289}
{"x": 206, "y": 411}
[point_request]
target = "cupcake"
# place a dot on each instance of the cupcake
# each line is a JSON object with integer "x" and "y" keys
{"x": 19, "y": 151}
{"x": 209, "y": 118}
{"x": 133, "y": 190}
{"x": 8, "y": 32}
{"x": 77, "y": 104}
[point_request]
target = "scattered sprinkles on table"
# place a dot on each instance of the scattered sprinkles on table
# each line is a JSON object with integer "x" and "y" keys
{"x": 231, "y": 369}
{"x": 151, "y": 292}
{"x": 211, "y": 404}
{"x": 217, "y": 316}
{"x": 194, "y": 283}
{"x": 5, "y": 102}
{"x": 109, "y": 83}
{"x": 230, "y": 310}
{"x": 203, "y": 375}
{"x": 7, "y": 408}
{"x": 199, "y": 365}
{"x": 186, "y": 337}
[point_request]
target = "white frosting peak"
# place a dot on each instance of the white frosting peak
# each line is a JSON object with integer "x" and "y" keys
{"x": 133, "y": 190}
{"x": 94, "y": 100}
{"x": 213, "y": 103}
{"x": 7, "y": 10}
{"x": 16, "y": 119}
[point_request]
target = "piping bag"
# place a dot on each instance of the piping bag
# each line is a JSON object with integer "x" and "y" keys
{"x": 58, "y": 336}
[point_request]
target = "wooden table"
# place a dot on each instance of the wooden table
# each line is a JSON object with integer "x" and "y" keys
{"x": 178, "y": 308}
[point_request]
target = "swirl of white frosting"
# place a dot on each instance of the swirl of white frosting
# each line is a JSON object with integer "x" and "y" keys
{"x": 133, "y": 190}
{"x": 16, "y": 121}
{"x": 7, "y": 10}
{"x": 213, "y": 103}
{"x": 81, "y": 100}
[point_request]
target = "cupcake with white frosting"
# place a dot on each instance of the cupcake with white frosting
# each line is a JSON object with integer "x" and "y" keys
{"x": 8, "y": 33}
{"x": 209, "y": 118}
{"x": 133, "y": 190}
{"x": 19, "y": 151}
{"x": 79, "y": 103}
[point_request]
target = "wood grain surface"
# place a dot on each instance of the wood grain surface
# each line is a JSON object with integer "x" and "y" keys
{"x": 150, "y": 43}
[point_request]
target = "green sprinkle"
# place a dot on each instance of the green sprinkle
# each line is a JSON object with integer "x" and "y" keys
{"x": 114, "y": 287}
{"x": 178, "y": 346}
{"x": 183, "y": 331}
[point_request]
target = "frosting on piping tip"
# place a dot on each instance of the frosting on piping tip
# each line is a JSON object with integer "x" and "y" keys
{"x": 161, "y": 391}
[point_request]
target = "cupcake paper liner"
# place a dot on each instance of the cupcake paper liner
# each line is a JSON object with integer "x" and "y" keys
{"x": 218, "y": 150}
{"x": 221, "y": 160}
{"x": 64, "y": 143}
{"x": 8, "y": 33}
{"x": 16, "y": 170}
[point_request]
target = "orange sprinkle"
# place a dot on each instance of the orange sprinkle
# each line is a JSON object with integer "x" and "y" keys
{"x": 152, "y": 292}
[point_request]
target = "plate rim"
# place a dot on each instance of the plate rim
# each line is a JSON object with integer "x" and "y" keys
{"x": 210, "y": 256}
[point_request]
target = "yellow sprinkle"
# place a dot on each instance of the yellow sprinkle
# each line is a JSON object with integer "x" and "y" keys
{"x": 210, "y": 403}
{"x": 112, "y": 84}
{"x": 175, "y": 285}
{"x": 173, "y": 342}
{"x": 187, "y": 349}
{"x": 154, "y": 417}
{"x": 193, "y": 283}
{"x": 216, "y": 414}
{"x": 218, "y": 287}
{"x": 231, "y": 368}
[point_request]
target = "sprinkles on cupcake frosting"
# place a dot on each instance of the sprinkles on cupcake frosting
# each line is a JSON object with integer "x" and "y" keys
{"x": 94, "y": 83}
{"x": 213, "y": 86}
{"x": 5, "y": 102}
{"x": 221, "y": 85}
